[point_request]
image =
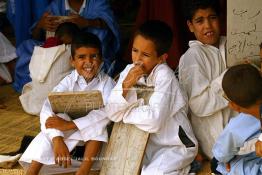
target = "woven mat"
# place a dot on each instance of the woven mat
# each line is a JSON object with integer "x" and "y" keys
{"x": 14, "y": 122}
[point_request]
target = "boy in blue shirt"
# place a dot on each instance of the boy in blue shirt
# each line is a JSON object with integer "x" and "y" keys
{"x": 242, "y": 85}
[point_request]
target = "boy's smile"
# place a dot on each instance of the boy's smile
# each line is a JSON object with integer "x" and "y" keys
{"x": 87, "y": 61}
{"x": 205, "y": 26}
{"x": 144, "y": 54}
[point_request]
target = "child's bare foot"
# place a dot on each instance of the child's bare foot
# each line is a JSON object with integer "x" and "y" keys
{"x": 34, "y": 168}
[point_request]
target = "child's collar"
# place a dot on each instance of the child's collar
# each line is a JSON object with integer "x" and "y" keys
{"x": 67, "y": 7}
{"x": 76, "y": 76}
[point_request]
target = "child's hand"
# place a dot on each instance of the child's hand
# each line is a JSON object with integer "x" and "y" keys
{"x": 259, "y": 148}
{"x": 228, "y": 167}
{"x": 59, "y": 123}
{"x": 61, "y": 152}
{"x": 132, "y": 77}
{"x": 48, "y": 22}
{"x": 78, "y": 20}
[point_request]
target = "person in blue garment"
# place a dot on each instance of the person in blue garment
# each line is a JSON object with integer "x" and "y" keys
{"x": 22, "y": 14}
{"x": 90, "y": 15}
{"x": 242, "y": 85}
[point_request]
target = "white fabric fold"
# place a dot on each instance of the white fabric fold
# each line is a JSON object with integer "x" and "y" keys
{"x": 7, "y": 50}
{"x": 42, "y": 61}
{"x": 8, "y": 161}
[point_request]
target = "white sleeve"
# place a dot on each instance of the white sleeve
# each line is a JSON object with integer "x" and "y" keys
{"x": 260, "y": 137}
{"x": 117, "y": 104}
{"x": 233, "y": 138}
{"x": 149, "y": 117}
{"x": 96, "y": 115}
{"x": 96, "y": 121}
{"x": 205, "y": 97}
{"x": 47, "y": 111}
{"x": 93, "y": 125}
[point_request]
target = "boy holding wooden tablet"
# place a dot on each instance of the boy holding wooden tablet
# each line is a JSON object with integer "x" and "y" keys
{"x": 60, "y": 134}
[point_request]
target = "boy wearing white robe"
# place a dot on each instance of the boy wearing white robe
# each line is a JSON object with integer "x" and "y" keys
{"x": 165, "y": 115}
{"x": 201, "y": 69}
{"x": 59, "y": 133}
{"x": 242, "y": 85}
{"x": 7, "y": 60}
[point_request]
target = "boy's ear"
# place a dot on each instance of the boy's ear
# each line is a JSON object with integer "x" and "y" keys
{"x": 72, "y": 61}
{"x": 234, "y": 106}
{"x": 190, "y": 25}
{"x": 163, "y": 58}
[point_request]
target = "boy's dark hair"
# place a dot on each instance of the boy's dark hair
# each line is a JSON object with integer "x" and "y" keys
{"x": 242, "y": 84}
{"x": 191, "y": 6}
{"x": 159, "y": 33}
{"x": 67, "y": 28}
{"x": 260, "y": 45}
{"x": 85, "y": 39}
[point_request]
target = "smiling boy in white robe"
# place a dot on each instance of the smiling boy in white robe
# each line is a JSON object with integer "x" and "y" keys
{"x": 165, "y": 115}
{"x": 59, "y": 133}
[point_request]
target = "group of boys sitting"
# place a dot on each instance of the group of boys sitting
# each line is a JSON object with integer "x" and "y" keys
{"x": 225, "y": 104}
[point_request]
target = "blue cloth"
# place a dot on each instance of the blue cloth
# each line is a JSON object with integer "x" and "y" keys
{"x": 239, "y": 130}
{"x": 22, "y": 74}
{"x": 22, "y": 14}
{"x": 110, "y": 39}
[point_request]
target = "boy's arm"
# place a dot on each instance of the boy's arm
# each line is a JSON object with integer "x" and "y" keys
{"x": 47, "y": 111}
{"x": 148, "y": 117}
{"x": 205, "y": 96}
{"x": 92, "y": 124}
{"x": 225, "y": 149}
{"x": 58, "y": 123}
{"x": 61, "y": 152}
{"x": 232, "y": 138}
{"x": 117, "y": 104}
{"x": 131, "y": 79}
{"x": 96, "y": 119}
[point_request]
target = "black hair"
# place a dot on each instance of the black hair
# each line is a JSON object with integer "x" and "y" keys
{"x": 67, "y": 28}
{"x": 260, "y": 46}
{"x": 191, "y": 6}
{"x": 242, "y": 84}
{"x": 158, "y": 32}
{"x": 85, "y": 39}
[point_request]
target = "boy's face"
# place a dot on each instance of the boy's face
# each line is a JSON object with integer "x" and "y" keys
{"x": 144, "y": 54}
{"x": 205, "y": 26}
{"x": 86, "y": 61}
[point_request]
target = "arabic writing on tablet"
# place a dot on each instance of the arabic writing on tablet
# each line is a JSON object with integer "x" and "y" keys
{"x": 244, "y": 31}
